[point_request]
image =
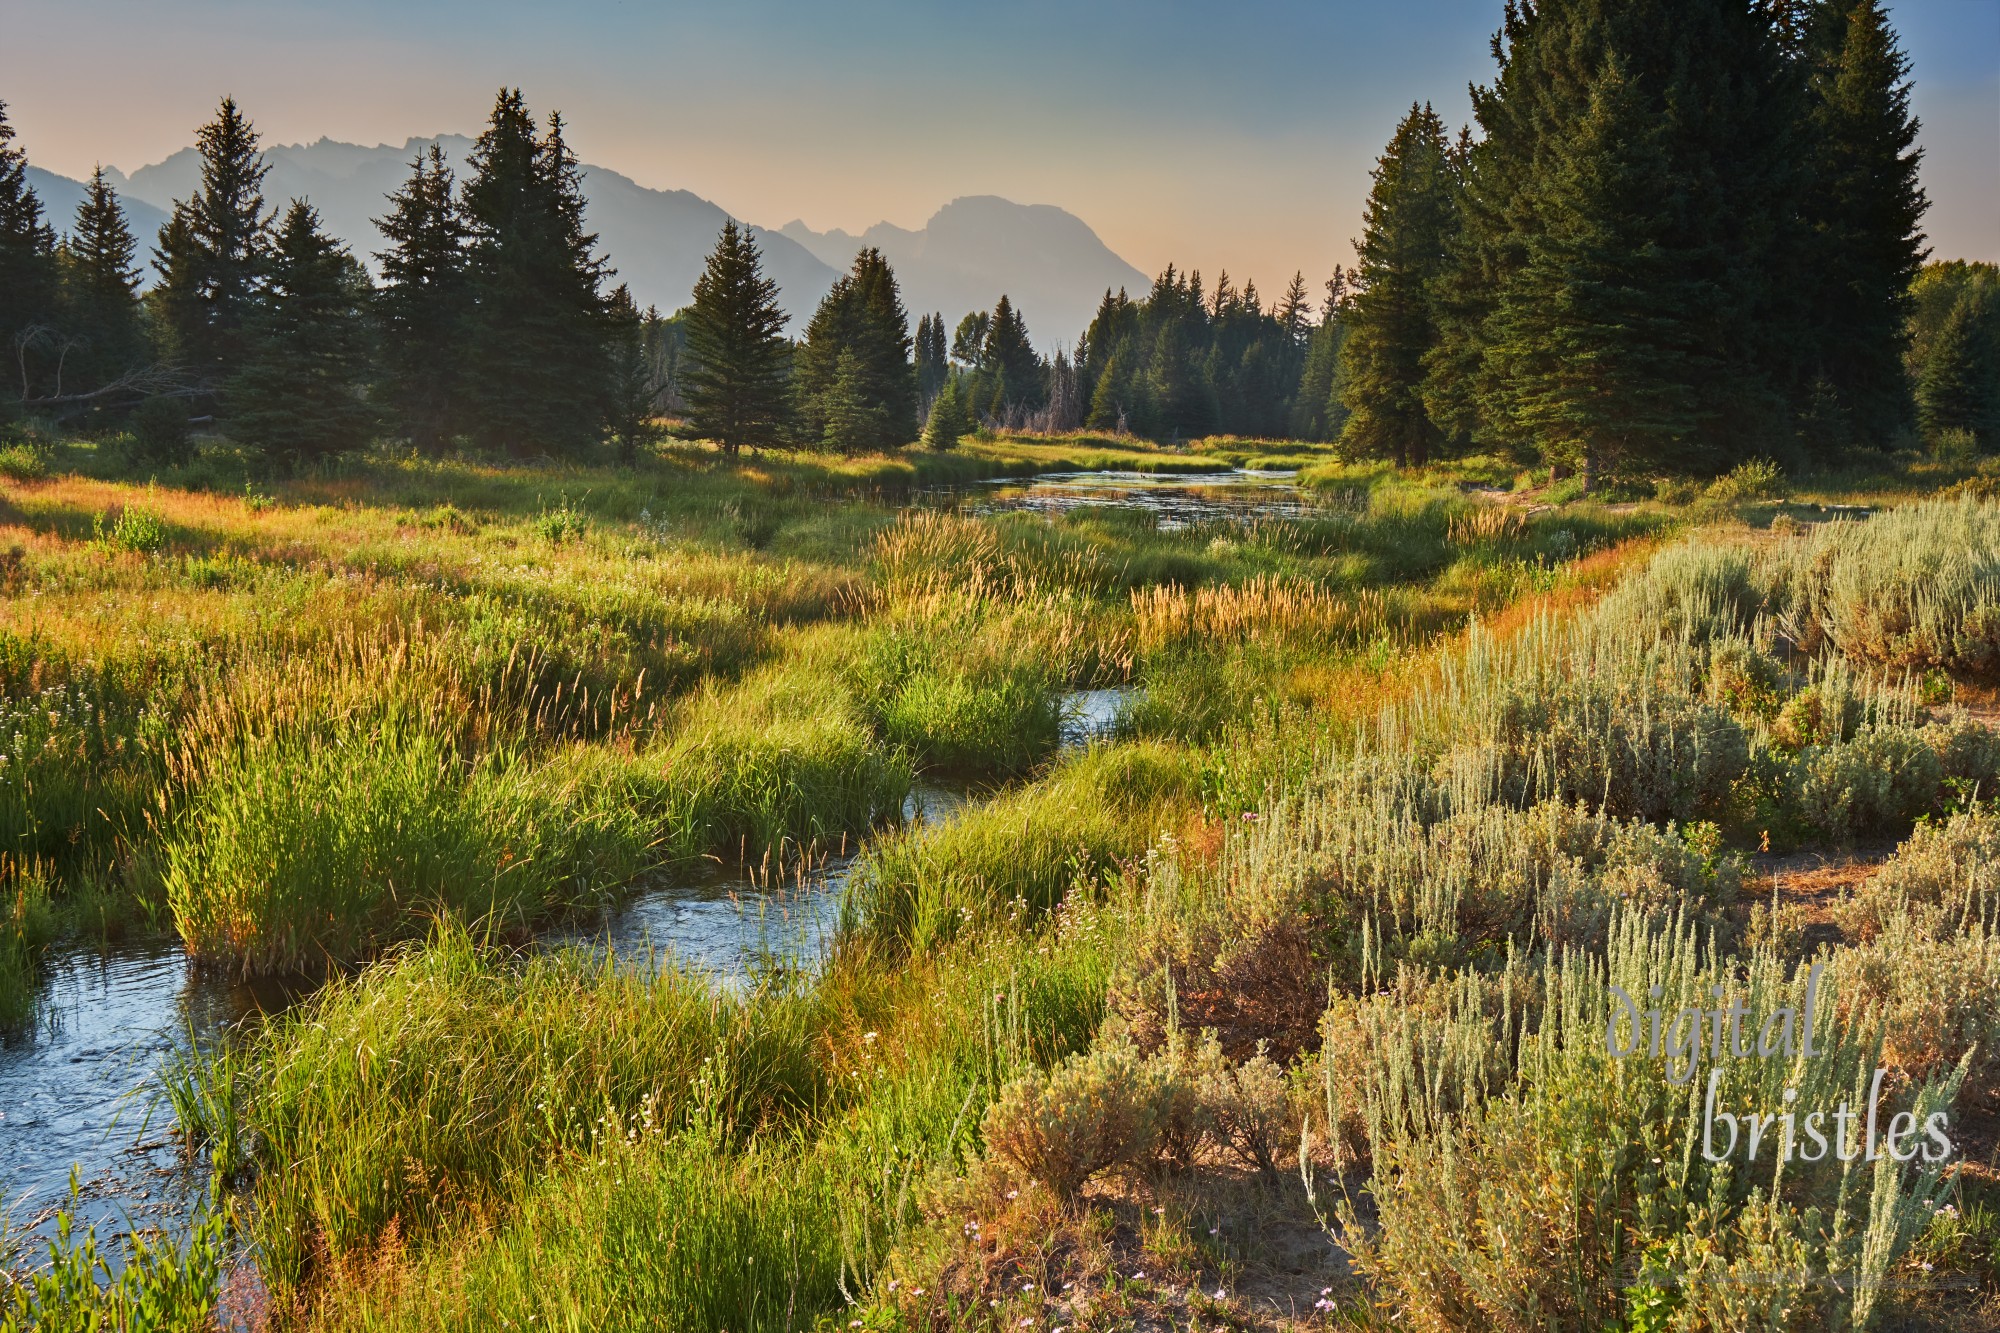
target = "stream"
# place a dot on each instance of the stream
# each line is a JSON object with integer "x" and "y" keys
{"x": 1177, "y": 500}
{"x": 78, "y": 1089}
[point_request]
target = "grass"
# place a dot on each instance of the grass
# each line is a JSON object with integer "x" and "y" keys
{"x": 1399, "y": 785}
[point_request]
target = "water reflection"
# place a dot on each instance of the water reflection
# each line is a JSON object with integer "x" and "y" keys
{"x": 1176, "y": 500}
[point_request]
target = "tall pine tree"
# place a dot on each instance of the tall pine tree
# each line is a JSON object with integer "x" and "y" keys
{"x": 933, "y": 355}
{"x": 539, "y": 357}
{"x": 27, "y": 275}
{"x": 735, "y": 380}
{"x": 211, "y": 252}
{"x": 299, "y": 394}
{"x": 862, "y": 317}
{"x": 1695, "y": 275}
{"x": 100, "y": 292}
{"x": 1863, "y": 206}
{"x": 425, "y": 305}
{"x": 1407, "y": 224}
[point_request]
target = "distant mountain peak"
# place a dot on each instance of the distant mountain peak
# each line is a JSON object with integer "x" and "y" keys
{"x": 973, "y": 249}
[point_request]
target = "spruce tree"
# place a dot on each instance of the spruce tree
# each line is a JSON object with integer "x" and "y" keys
{"x": 100, "y": 291}
{"x": 211, "y": 252}
{"x": 425, "y": 305}
{"x": 1959, "y": 387}
{"x": 1407, "y": 224}
{"x": 948, "y": 422}
{"x": 299, "y": 394}
{"x": 1704, "y": 84}
{"x": 1589, "y": 336}
{"x": 1863, "y": 205}
{"x": 735, "y": 382}
{"x": 853, "y": 418}
{"x": 862, "y": 316}
{"x": 933, "y": 357}
{"x": 27, "y": 274}
{"x": 1010, "y": 358}
{"x": 538, "y": 366}
{"x": 636, "y": 379}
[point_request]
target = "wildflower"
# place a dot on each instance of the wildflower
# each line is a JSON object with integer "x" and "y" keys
{"x": 1323, "y": 1304}
{"x": 1221, "y": 1295}
{"x": 1948, "y": 1210}
{"x": 868, "y": 1038}
{"x": 1249, "y": 816}
{"x": 1326, "y": 1291}
{"x": 1927, "y": 1266}
{"x": 1013, "y": 1194}
{"x": 1027, "y": 1286}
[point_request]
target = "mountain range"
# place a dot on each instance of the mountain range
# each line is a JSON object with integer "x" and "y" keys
{"x": 972, "y": 250}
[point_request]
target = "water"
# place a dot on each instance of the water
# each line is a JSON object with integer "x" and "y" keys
{"x": 1177, "y": 500}
{"x": 79, "y": 1089}
{"x": 1089, "y": 715}
{"x": 734, "y": 922}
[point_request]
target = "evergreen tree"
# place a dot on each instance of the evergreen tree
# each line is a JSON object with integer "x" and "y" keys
{"x": 948, "y": 422}
{"x": 1685, "y": 278}
{"x": 211, "y": 252}
{"x": 1863, "y": 206}
{"x": 933, "y": 357}
{"x": 425, "y": 305}
{"x": 539, "y": 345}
{"x": 299, "y": 393}
{"x": 1407, "y": 224}
{"x": 100, "y": 292}
{"x": 27, "y": 274}
{"x": 1589, "y": 338}
{"x": 862, "y": 317}
{"x": 1959, "y": 388}
{"x": 1009, "y": 359}
{"x": 735, "y": 382}
{"x": 636, "y": 379}
{"x": 853, "y": 418}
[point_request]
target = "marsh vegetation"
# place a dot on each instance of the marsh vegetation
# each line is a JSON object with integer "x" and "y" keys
{"x": 1267, "y": 987}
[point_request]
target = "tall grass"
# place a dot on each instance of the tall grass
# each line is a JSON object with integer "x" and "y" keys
{"x": 1015, "y": 858}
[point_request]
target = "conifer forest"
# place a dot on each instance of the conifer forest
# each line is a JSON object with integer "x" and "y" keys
{"x": 1458, "y": 793}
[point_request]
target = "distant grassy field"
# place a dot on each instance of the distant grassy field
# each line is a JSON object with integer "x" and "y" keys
{"x": 1308, "y": 951}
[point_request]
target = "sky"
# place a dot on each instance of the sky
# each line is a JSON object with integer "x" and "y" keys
{"x": 1233, "y": 137}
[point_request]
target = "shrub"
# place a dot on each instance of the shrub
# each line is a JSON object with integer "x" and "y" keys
{"x": 1872, "y": 786}
{"x": 23, "y": 462}
{"x": 1824, "y": 713}
{"x": 1095, "y": 1111}
{"x": 562, "y": 524}
{"x": 1756, "y": 479}
{"x": 1583, "y": 1193}
{"x": 160, "y": 432}
{"x": 134, "y": 528}
{"x": 1945, "y": 876}
{"x": 1916, "y": 587}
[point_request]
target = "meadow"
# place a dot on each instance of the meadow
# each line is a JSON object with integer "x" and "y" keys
{"x": 1281, "y": 1005}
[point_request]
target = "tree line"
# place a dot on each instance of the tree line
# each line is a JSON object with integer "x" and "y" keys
{"x": 1685, "y": 233}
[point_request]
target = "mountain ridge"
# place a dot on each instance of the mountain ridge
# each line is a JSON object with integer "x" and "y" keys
{"x": 1048, "y": 261}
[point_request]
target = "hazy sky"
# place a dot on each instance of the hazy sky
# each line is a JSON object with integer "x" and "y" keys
{"x": 1231, "y": 136}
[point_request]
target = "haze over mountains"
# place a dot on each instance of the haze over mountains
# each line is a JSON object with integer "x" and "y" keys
{"x": 973, "y": 249}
